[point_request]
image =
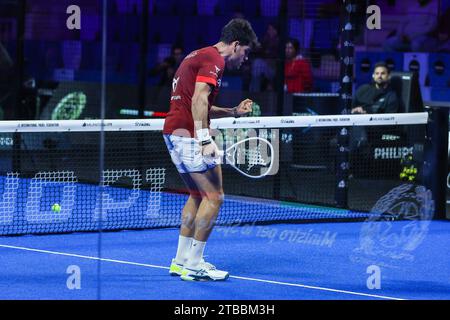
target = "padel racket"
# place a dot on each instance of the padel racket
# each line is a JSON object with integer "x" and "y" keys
{"x": 252, "y": 157}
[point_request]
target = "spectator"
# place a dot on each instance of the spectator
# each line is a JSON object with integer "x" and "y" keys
{"x": 264, "y": 66}
{"x": 297, "y": 69}
{"x": 166, "y": 69}
{"x": 415, "y": 33}
{"x": 378, "y": 96}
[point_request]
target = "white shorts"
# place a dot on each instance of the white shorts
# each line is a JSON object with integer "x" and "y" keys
{"x": 187, "y": 156}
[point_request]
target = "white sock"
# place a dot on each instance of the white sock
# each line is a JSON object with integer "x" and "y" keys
{"x": 184, "y": 244}
{"x": 195, "y": 253}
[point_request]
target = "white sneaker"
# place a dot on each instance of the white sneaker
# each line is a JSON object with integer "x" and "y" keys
{"x": 205, "y": 272}
{"x": 175, "y": 268}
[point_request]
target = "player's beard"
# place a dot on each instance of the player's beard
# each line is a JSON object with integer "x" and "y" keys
{"x": 381, "y": 83}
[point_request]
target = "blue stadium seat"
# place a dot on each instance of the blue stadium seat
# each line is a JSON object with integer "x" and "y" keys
{"x": 440, "y": 94}
{"x": 417, "y": 61}
{"x": 439, "y": 70}
{"x": 393, "y": 59}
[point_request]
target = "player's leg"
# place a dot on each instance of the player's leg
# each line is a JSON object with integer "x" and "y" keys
{"x": 188, "y": 215}
{"x": 205, "y": 181}
{"x": 187, "y": 228}
{"x": 209, "y": 184}
{"x": 181, "y": 149}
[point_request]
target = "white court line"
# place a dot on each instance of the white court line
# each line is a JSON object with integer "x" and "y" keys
{"x": 235, "y": 277}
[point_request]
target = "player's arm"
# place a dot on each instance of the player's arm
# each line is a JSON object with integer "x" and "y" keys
{"x": 200, "y": 107}
{"x": 200, "y": 116}
{"x": 242, "y": 109}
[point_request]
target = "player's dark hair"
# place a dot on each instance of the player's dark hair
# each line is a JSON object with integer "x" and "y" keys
{"x": 239, "y": 30}
{"x": 383, "y": 65}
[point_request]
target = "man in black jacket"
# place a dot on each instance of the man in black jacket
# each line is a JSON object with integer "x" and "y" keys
{"x": 378, "y": 96}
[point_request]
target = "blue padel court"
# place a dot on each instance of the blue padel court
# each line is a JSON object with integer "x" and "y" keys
{"x": 278, "y": 261}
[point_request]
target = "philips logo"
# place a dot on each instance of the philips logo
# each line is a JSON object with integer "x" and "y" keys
{"x": 392, "y": 153}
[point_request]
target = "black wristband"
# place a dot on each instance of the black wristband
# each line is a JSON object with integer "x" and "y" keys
{"x": 205, "y": 142}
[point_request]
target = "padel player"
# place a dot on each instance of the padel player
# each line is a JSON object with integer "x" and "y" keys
{"x": 186, "y": 133}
